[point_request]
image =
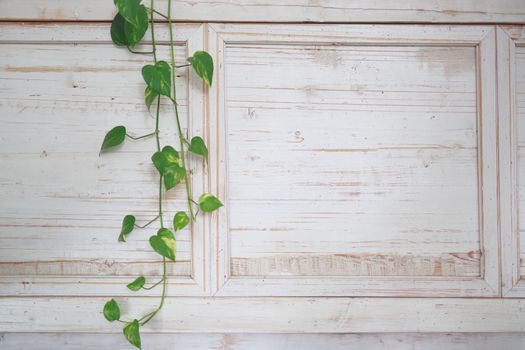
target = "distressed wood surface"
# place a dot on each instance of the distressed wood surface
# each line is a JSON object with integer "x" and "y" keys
{"x": 62, "y": 205}
{"x": 511, "y": 72}
{"x": 375, "y": 160}
{"x": 379, "y": 341}
{"x": 269, "y": 315}
{"x": 438, "y": 11}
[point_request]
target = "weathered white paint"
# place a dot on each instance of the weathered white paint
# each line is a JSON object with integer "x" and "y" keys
{"x": 377, "y": 180}
{"x": 511, "y": 74}
{"x": 64, "y": 85}
{"x": 378, "y": 11}
{"x": 268, "y": 315}
{"x": 62, "y": 204}
{"x": 379, "y": 341}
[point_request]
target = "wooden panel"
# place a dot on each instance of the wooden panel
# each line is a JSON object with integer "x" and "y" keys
{"x": 511, "y": 76}
{"x": 379, "y": 341}
{"x": 269, "y": 315}
{"x": 340, "y": 160}
{"x": 444, "y": 11}
{"x": 62, "y": 205}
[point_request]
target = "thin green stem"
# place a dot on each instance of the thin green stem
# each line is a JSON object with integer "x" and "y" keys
{"x": 153, "y": 286}
{"x": 149, "y": 316}
{"x": 152, "y": 20}
{"x": 160, "y": 202}
{"x": 141, "y": 137}
{"x": 183, "y": 65}
{"x": 148, "y": 223}
{"x": 139, "y": 52}
{"x": 157, "y": 12}
{"x": 174, "y": 99}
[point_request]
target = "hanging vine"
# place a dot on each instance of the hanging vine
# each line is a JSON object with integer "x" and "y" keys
{"x": 127, "y": 30}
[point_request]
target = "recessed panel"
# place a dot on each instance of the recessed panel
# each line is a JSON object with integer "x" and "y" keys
{"x": 62, "y": 205}
{"x": 352, "y": 160}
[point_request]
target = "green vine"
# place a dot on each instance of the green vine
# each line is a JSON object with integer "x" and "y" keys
{"x": 127, "y": 30}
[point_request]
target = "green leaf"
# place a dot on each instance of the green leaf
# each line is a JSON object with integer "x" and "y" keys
{"x": 171, "y": 154}
{"x": 158, "y": 77}
{"x": 209, "y": 203}
{"x": 164, "y": 232}
{"x": 137, "y": 284}
{"x": 198, "y": 146}
{"x": 202, "y": 63}
{"x": 124, "y": 33}
{"x": 118, "y": 36}
{"x": 113, "y": 138}
{"x": 132, "y": 333}
{"x": 167, "y": 163}
{"x": 135, "y": 32}
{"x": 130, "y": 10}
{"x": 180, "y": 220}
{"x": 160, "y": 161}
{"x": 164, "y": 245}
{"x": 150, "y": 96}
{"x": 128, "y": 223}
{"x": 112, "y": 311}
{"x": 173, "y": 175}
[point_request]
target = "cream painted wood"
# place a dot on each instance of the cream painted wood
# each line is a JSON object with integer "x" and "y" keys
{"x": 269, "y": 315}
{"x": 511, "y": 78}
{"x": 346, "y": 173}
{"x": 63, "y": 87}
{"x": 378, "y": 11}
{"x": 379, "y": 341}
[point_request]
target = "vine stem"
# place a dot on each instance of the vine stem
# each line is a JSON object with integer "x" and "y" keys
{"x": 152, "y": 314}
{"x": 148, "y": 223}
{"x": 174, "y": 100}
{"x": 145, "y": 319}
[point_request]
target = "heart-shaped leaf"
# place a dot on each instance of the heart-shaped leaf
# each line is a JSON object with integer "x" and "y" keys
{"x": 130, "y": 10}
{"x": 164, "y": 232}
{"x": 124, "y": 33}
{"x": 197, "y": 146}
{"x": 160, "y": 161}
{"x": 150, "y": 96}
{"x": 135, "y": 32}
{"x": 202, "y": 63}
{"x": 173, "y": 175}
{"x": 118, "y": 36}
{"x": 167, "y": 163}
{"x": 209, "y": 203}
{"x": 180, "y": 220}
{"x": 137, "y": 284}
{"x": 158, "y": 77}
{"x": 132, "y": 333}
{"x": 171, "y": 154}
{"x": 164, "y": 245}
{"x": 128, "y": 223}
{"x": 113, "y": 138}
{"x": 112, "y": 311}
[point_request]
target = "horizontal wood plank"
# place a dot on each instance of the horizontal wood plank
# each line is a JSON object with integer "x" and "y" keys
{"x": 440, "y": 11}
{"x": 372, "y": 341}
{"x": 267, "y": 315}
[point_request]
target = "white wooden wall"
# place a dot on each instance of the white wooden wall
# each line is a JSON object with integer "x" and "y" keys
{"x": 370, "y": 173}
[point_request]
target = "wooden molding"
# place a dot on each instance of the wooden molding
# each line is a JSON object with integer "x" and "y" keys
{"x": 298, "y": 11}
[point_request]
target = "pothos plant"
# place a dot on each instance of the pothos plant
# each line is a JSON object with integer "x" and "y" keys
{"x": 127, "y": 29}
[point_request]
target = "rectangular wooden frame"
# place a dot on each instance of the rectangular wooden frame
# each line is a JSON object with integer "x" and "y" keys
{"x": 192, "y": 35}
{"x": 480, "y": 37}
{"x": 508, "y": 38}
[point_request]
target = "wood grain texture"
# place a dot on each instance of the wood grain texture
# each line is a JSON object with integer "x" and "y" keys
{"x": 439, "y": 11}
{"x": 62, "y": 205}
{"x": 356, "y": 151}
{"x": 511, "y": 73}
{"x": 374, "y": 341}
{"x": 269, "y": 315}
